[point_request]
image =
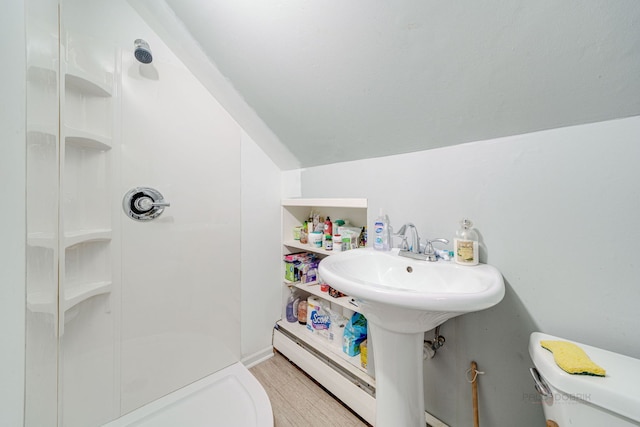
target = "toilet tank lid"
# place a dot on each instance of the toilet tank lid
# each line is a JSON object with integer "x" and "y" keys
{"x": 618, "y": 391}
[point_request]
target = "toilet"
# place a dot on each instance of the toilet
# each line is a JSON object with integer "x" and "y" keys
{"x": 583, "y": 400}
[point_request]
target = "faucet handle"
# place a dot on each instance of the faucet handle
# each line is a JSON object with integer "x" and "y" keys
{"x": 430, "y": 241}
{"x": 428, "y": 248}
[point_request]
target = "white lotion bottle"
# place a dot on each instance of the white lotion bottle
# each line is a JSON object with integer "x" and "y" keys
{"x": 465, "y": 244}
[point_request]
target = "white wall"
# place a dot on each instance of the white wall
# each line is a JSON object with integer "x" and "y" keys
{"x": 260, "y": 181}
{"x": 176, "y": 317}
{"x": 557, "y": 212}
{"x": 12, "y": 226}
{"x": 260, "y": 251}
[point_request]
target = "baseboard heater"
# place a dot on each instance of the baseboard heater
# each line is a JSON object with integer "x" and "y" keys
{"x": 354, "y": 391}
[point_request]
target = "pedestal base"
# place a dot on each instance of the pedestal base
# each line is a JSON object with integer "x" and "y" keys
{"x": 399, "y": 385}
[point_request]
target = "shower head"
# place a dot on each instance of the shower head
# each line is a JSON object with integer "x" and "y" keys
{"x": 142, "y": 51}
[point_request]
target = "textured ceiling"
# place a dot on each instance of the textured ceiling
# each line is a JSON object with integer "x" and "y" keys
{"x": 346, "y": 80}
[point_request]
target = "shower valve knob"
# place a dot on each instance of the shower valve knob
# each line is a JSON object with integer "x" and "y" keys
{"x": 144, "y": 203}
{"x": 147, "y": 203}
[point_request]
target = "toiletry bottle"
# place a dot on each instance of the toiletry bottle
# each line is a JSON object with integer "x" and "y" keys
{"x": 292, "y": 307}
{"x": 327, "y": 243}
{"x": 362, "y": 239}
{"x": 465, "y": 244}
{"x": 337, "y": 242}
{"x": 381, "y": 232}
{"x": 328, "y": 227}
{"x": 302, "y": 312}
{"x": 388, "y": 235}
{"x": 378, "y": 232}
{"x": 303, "y": 234}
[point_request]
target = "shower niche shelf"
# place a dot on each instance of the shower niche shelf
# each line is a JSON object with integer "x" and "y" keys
{"x": 73, "y": 238}
{"x": 42, "y": 272}
{"x": 82, "y": 81}
{"x": 86, "y": 191}
{"x": 42, "y": 302}
{"x": 86, "y": 139}
{"x": 86, "y": 270}
{"x": 41, "y": 70}
{"x": 77, "y": 294}
{"x": 41, "y": 239}
{"x": 87, "y": 122}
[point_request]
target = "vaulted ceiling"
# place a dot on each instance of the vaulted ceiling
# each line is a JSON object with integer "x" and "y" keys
{"x": 352, "y": 79}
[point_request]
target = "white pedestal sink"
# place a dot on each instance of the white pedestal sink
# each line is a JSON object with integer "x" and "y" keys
{"x": 401, "y": 299}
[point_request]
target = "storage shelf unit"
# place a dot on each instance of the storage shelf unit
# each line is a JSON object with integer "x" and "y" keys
{"x": 341, "y": 374}
{"x": 349, "y": 363}
{"x": 314, "y": 289}
{"x": 86, "y": 139}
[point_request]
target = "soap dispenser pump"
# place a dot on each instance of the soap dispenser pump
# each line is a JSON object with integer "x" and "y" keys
{"x": 465, "y": 244}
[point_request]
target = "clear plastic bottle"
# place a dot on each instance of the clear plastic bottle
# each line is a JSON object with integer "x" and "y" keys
{"x": 382, "y": 233}
{"x": 465, "y": 244}
{"x": 292, "y": 307}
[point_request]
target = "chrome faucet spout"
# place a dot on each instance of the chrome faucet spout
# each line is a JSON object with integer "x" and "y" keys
{"x": 415, "y": 238}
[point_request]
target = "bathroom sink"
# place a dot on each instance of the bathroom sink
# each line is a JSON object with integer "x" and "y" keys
{"x": 391, "y": 287}
{"x": 402, "y": 298}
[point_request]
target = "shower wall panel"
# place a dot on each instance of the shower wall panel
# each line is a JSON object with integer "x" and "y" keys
{"x": 42, "y": 154}
{"x": 88, "y": 325}
{"x": 181, "y": 280}
{"x": 122, "y": 312}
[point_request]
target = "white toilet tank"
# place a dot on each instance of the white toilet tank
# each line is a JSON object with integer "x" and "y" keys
{"x": 583, "y": 400}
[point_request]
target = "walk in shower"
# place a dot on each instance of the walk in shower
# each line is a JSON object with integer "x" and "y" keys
{"x": 121, "y": 312}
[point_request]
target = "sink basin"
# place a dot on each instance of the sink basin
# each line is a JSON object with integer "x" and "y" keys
{"x": 392, "y": 279}
{"x": 409, "y": 295}
{"x": 402, "y": 298}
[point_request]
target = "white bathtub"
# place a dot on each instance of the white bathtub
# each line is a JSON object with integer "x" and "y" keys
{"x": 232, "y": 397}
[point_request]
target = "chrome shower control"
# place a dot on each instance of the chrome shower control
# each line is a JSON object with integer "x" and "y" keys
{"x": 143, "y": 203}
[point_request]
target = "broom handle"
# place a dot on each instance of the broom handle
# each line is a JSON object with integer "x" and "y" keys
{"x": 474, "y": 390}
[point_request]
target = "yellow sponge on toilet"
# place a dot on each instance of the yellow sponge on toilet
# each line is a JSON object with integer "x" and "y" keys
{"x": 572, "y": 358}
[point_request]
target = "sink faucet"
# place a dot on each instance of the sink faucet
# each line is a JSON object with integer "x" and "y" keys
{"x": 414, "y": 250}
{"x": 429, "y": 252}
{"x": 415, "y": 238}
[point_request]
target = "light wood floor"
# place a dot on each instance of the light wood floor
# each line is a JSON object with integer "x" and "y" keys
{"x": 297, "y": 400}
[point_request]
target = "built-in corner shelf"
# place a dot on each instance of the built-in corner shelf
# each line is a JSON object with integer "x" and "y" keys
{"x": 314, "y": 289}
{"x": 81, "y": 81}
{"x": 41, "y": 240}
{"x": 40, "y": 130}
{"x": 86, "y": 139}
{"x": 326, "y": 203}
{"x": 295, "y": 244}
{"x": 42, "y": 302}
{"x": 42, "y": 72}
{"x": 72, "y": 238}
{"x": 323, "y": 360}
{"x": 77, "y": 294}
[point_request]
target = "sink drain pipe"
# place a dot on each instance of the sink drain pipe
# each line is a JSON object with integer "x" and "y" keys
{"x": 432, "y": 346}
